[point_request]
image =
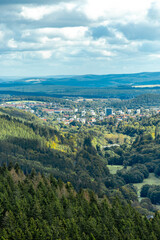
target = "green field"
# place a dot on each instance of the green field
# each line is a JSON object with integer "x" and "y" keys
{"x": 114, "y": 168}
{"x": 151, "y": 180}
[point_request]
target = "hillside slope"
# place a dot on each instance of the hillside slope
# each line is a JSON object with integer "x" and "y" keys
{"x": 36, "y": 207}
{"x": 33, "y": 145}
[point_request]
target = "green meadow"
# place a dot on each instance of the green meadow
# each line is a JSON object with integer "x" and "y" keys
{"x": 151, "y": 180}
{"x": 114, "y": 168}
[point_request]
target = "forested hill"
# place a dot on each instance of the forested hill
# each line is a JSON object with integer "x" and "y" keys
{"x": 36, "y": 207}
{"x": 81, "y": 154}
{"x": 144, "y": 101}
{"x": 123, "y": 86}
{"x": 70, "y": 157}
{"x": 89, "y": 80}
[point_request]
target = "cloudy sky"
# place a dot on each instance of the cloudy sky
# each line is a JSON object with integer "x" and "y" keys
{"x": 79, "y": 37}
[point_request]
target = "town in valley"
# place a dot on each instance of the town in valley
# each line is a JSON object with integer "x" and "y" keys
{"x": 78, "y": 110}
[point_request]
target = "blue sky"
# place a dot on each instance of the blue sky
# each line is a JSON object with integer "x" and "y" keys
{"x": 79, "y": 37}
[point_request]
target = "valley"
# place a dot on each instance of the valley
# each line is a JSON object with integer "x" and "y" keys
{"x": 78, "y": 141}
{"x": 114, "y": 154}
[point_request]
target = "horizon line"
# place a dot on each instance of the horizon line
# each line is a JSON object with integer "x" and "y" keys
{"x": 67, "y": 75}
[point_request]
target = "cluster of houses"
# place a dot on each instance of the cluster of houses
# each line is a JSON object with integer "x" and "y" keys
{"x": 85, "y": 115}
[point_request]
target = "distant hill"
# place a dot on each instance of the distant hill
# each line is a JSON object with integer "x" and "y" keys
{"x": 87, "y": 80}
{"x": 111, "y": 86}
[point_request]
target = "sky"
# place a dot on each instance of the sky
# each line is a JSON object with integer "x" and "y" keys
{"x": 66, "y": 37}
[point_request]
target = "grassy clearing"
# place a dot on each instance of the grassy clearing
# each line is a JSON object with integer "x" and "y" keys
{"x": 113, "y": 168}
{"x": 151, "y": 180}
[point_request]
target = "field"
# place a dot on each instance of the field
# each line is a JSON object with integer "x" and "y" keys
{"x": 151, "y": 180}
{"x": 114, "y": 168}
{"x": 147, "y": 86}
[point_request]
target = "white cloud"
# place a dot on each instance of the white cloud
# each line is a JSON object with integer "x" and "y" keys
{"x": 111, "y": 9}
{"x": 73, "y": 33}
{"x": 12, "y": 43}
{"x": 37, "y": 13}
{"x": 82, "y": 33}
{"x": 154, "y": 56}
{"x": 46, "y": 54}
{"x": 1, "y": 35}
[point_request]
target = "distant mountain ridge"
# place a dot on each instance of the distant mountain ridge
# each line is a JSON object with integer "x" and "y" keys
{"x": 89, "y": 80}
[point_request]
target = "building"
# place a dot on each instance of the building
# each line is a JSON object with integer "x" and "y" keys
{"x": 108, "y": 111}
{"x": 120, "y": 112}
{"x": 138, "y": 111}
